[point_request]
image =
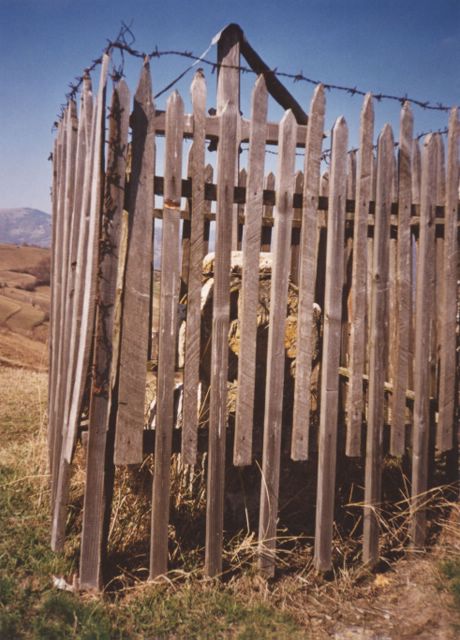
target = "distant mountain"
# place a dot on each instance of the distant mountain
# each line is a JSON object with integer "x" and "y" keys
{"x": 25, "y": 226}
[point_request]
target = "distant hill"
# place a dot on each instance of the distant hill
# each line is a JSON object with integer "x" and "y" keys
{"x": 25, "y": 226}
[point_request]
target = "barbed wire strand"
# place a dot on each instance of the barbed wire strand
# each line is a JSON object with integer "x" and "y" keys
{"x": 122, "y": 45}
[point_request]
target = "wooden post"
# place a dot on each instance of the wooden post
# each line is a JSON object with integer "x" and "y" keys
{"x": 99, "y": 467}
{"x": 447, "y": 374}
{"x": 403, "y": 286}
{"x": 242, "y": 453}
{"x": 378, "y": 337}
{"x": 169, "y": 298}
{"x": 307, "y": 277}
{"x": 424, "y": 317}
{"x": 355, "y": 398}
{"x": 138, "y": 275}
{"x": 275, "y": 352}
{"x": 193, "y": 326}
{"x": 331, "y": 348}
{"x": 219, "y": 348}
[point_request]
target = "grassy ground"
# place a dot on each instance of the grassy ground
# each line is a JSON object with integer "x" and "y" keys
{"x": 413, "y": 599}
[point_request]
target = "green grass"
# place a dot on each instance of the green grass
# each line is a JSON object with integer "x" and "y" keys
{"x": 450, "y": 570}
{"x": 31, "y": 608}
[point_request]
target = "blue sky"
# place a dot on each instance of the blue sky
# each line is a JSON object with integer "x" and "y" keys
{"x": 400, "y": 47}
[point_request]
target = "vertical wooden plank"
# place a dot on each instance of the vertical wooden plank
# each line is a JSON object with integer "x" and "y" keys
{"x": 169, "y": 294}
{"x": 138, "y": 275}
{"x": 447, "y": 375}
{"x": 269, "y": 185}
{"x": 355, "y": 398}
{"x": 94, "y": 190}
{"x": 378, "y": 340}
{"x": 242, "y": 182}
{"x": 275, "y": 352}
{"x": 219, "y": 347}
{"x": 193, "y": 326}
{"x": 331, "y": 348}
{"x": 99, "y": 466}
{"x": 55, "y": 291}
{"x": 54, "y": 213}
{"x": 62, "y": 356}
{"x": 424, "y": 317}
{"x": 307, "y": 276}
{"x": 439, "y": 274}
{"x": 228, "y": 91}
{"x": 242, "y": 452}
{"x": 71, "y": 315}
{"x": 403, "y": 285}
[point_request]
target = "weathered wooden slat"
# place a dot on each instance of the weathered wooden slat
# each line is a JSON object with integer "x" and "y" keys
{"x": 193, "y": 326}
{"x": 89, "y": 259}
{"x": 102, "y": 414}
{"x": 268, "y": 514}
{"x": 71, "y": 315}
{"x": 169, "y": 298}
{"x": 62, "y": 356}
{"x": 331, "y": 348}
{"x": 355, "y": 398}
{"x": 296, "y": 223}
{"x": 242, "y": 181}
{"x": 439, "y": 275}
{"x": 403, "y": 286}
{"x": 55, "y": 293}
{"x": 447, "y": 376}
{"x": 424, "y": 317}
{"x": 242, "y": 453}
{"x": 138, "y": 274}
{"x": 378, "y": 346}
{"x": 307, "y": 277}
{"x": 219, "y": 348}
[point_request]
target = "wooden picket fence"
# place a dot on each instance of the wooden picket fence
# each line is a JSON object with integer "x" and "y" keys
{"x": 376, "y": 236}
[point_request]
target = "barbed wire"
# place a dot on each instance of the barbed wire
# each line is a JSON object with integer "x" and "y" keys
{"x": 125, "y": 39}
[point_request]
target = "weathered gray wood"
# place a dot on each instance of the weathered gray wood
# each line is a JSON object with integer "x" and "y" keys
{"x": 242, "y": 452}
{"x": 403, "y": 286}
{"x": 424, "y": 317}
{"x": 62, "y": 356}
{"x": 378, "y": 346}
{"x": 296, "y": 224}
{"x": 242, "y": 181}
{"x": 71, "y": 315}
{"x": 307, "y": 277}
{"x": 268, "y": 514}
{"x": 331, "y": 348}
{"x": 55, "y": 292}
{"x": 99, "y": 465}
{"x": 355, "y": 398}
{"x": 193, "y": 326}
{"x": 138, "y": 273}
{"x": 269, "y": 184}
{"x": 219, "y": 347}
{"x": 439, "y": 276}
{"x": 447, "y": 376}
{"x": 94, "y": 175}
{"x": 169, "y": 298}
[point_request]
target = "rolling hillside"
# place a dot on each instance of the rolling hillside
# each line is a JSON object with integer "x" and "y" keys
{"x": 25, "y": 226}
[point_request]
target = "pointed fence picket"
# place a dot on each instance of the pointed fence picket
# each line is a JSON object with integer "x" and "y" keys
{"x": 351, "y": 241}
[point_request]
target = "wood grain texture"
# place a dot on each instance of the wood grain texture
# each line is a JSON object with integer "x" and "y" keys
{"x": 138, "y": 275}
{"x": 193, "y": 326}
{"x": 307, "y": 277}
{"x": 219, "y": 348}
{"x": 268, "y": 514}
{"x": 447, "y": 374}
{"x": 269, "y": 185}
{"x": 403, "y": 314}
{"x": 242, "y": 452}
{"x": 95, "y": 177}
{"x": 355, "y": 408}
{"x": 378, "y": 346}
{"x": 99, "y": 465}
{"x": 331, "y": 348}
{"x": 169, "y": 298}
{"x": 424, "y": 318}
